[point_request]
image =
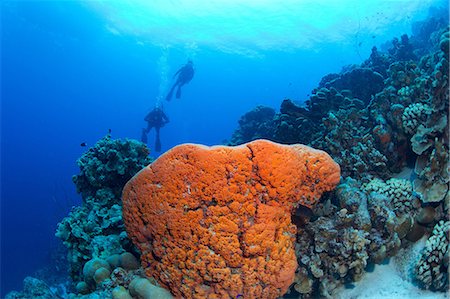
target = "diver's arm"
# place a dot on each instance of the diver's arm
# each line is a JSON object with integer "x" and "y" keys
{"x": 178, "y": 71}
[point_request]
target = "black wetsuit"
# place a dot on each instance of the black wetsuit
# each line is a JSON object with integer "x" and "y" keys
{"x": 185, "y": 75}
{"x": 155, "y": 119}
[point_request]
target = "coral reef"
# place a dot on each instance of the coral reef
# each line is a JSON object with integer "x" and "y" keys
{"x": 216, "y": 222}
{"x": 335, "y": 248}
{"x": 293, "y": 125}
{"x": 107, "y": 166}
{"x": 375, "y": 128}
{"x": 363, "y": 82}
{"x": 142, "y": 288}
{"x": 247, "y": 221}
{"x": 256, "y": 124}
{"x": 359, "y": 154}
{"x": 432, "y": 268}
{"x": 398, "y": 191}
{"x": 373, "y": 132}
{"x": 402, "y": 50}
{"x": 118, "y": 278}
{"x": 33, "y": 288}
{"x": 378, "y": 62}
{"x": 413, "y": 116}
{"x": 96, "y": 229}
{"x": 430, "y": 140}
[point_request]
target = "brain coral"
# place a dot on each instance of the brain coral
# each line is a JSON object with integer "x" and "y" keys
{"x": 216, "y": 221}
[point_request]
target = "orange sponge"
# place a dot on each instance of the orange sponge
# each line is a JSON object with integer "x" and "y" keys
{"x": 215, "y": 222}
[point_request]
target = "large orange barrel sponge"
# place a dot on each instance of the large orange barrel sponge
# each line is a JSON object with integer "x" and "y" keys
{"x": 215, "y": 222}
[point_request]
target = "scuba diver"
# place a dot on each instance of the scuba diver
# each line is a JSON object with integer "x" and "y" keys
{"x": 155, "y": 119}
{"x": 185, "y": 75}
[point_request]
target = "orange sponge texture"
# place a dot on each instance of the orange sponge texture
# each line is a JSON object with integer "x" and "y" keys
{"x": 215, "y": 222}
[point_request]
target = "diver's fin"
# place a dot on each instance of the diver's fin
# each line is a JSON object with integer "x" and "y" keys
{"x": 178, "y": 95}
{"x": 169, "y": 95}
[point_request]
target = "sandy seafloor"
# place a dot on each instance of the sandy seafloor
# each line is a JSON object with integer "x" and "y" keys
{"x": 390, "y": 281}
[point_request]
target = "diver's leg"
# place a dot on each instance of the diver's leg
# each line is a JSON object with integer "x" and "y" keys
{"x": 144, "y": 133}
{"x": 144, "y": 136}
{"x": 157, "y": 141}
{"x": 178, "y": 94}
{"x": 149, "y": 127}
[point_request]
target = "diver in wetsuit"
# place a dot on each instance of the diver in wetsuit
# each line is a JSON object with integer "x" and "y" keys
{"x": 185, "y": 75}
{"x": 155, "y": 119}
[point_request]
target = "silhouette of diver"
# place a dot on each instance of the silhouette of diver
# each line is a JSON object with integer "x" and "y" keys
{"x": 155, "y": 119}
{"x": 185, "y": 75}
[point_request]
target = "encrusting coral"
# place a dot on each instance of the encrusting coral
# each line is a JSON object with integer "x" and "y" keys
{"x": 216, "y": 222}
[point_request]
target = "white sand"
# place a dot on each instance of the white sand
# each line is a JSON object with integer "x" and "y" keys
{"x": 391, "y": 281}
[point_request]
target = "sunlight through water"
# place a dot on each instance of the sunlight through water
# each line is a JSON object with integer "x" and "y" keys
{"x": 233, "y": 25}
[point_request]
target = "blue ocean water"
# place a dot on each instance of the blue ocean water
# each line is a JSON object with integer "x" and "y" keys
{"x": 72, "y": 70}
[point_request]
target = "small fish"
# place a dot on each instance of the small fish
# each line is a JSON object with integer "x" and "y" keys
{"x": 239, "y": 296}
{"x": 83, "y": 144}
{"x": 109, "y": 131}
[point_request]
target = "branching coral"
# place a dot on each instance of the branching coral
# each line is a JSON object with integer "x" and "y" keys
{"x": 216, "y": 222}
